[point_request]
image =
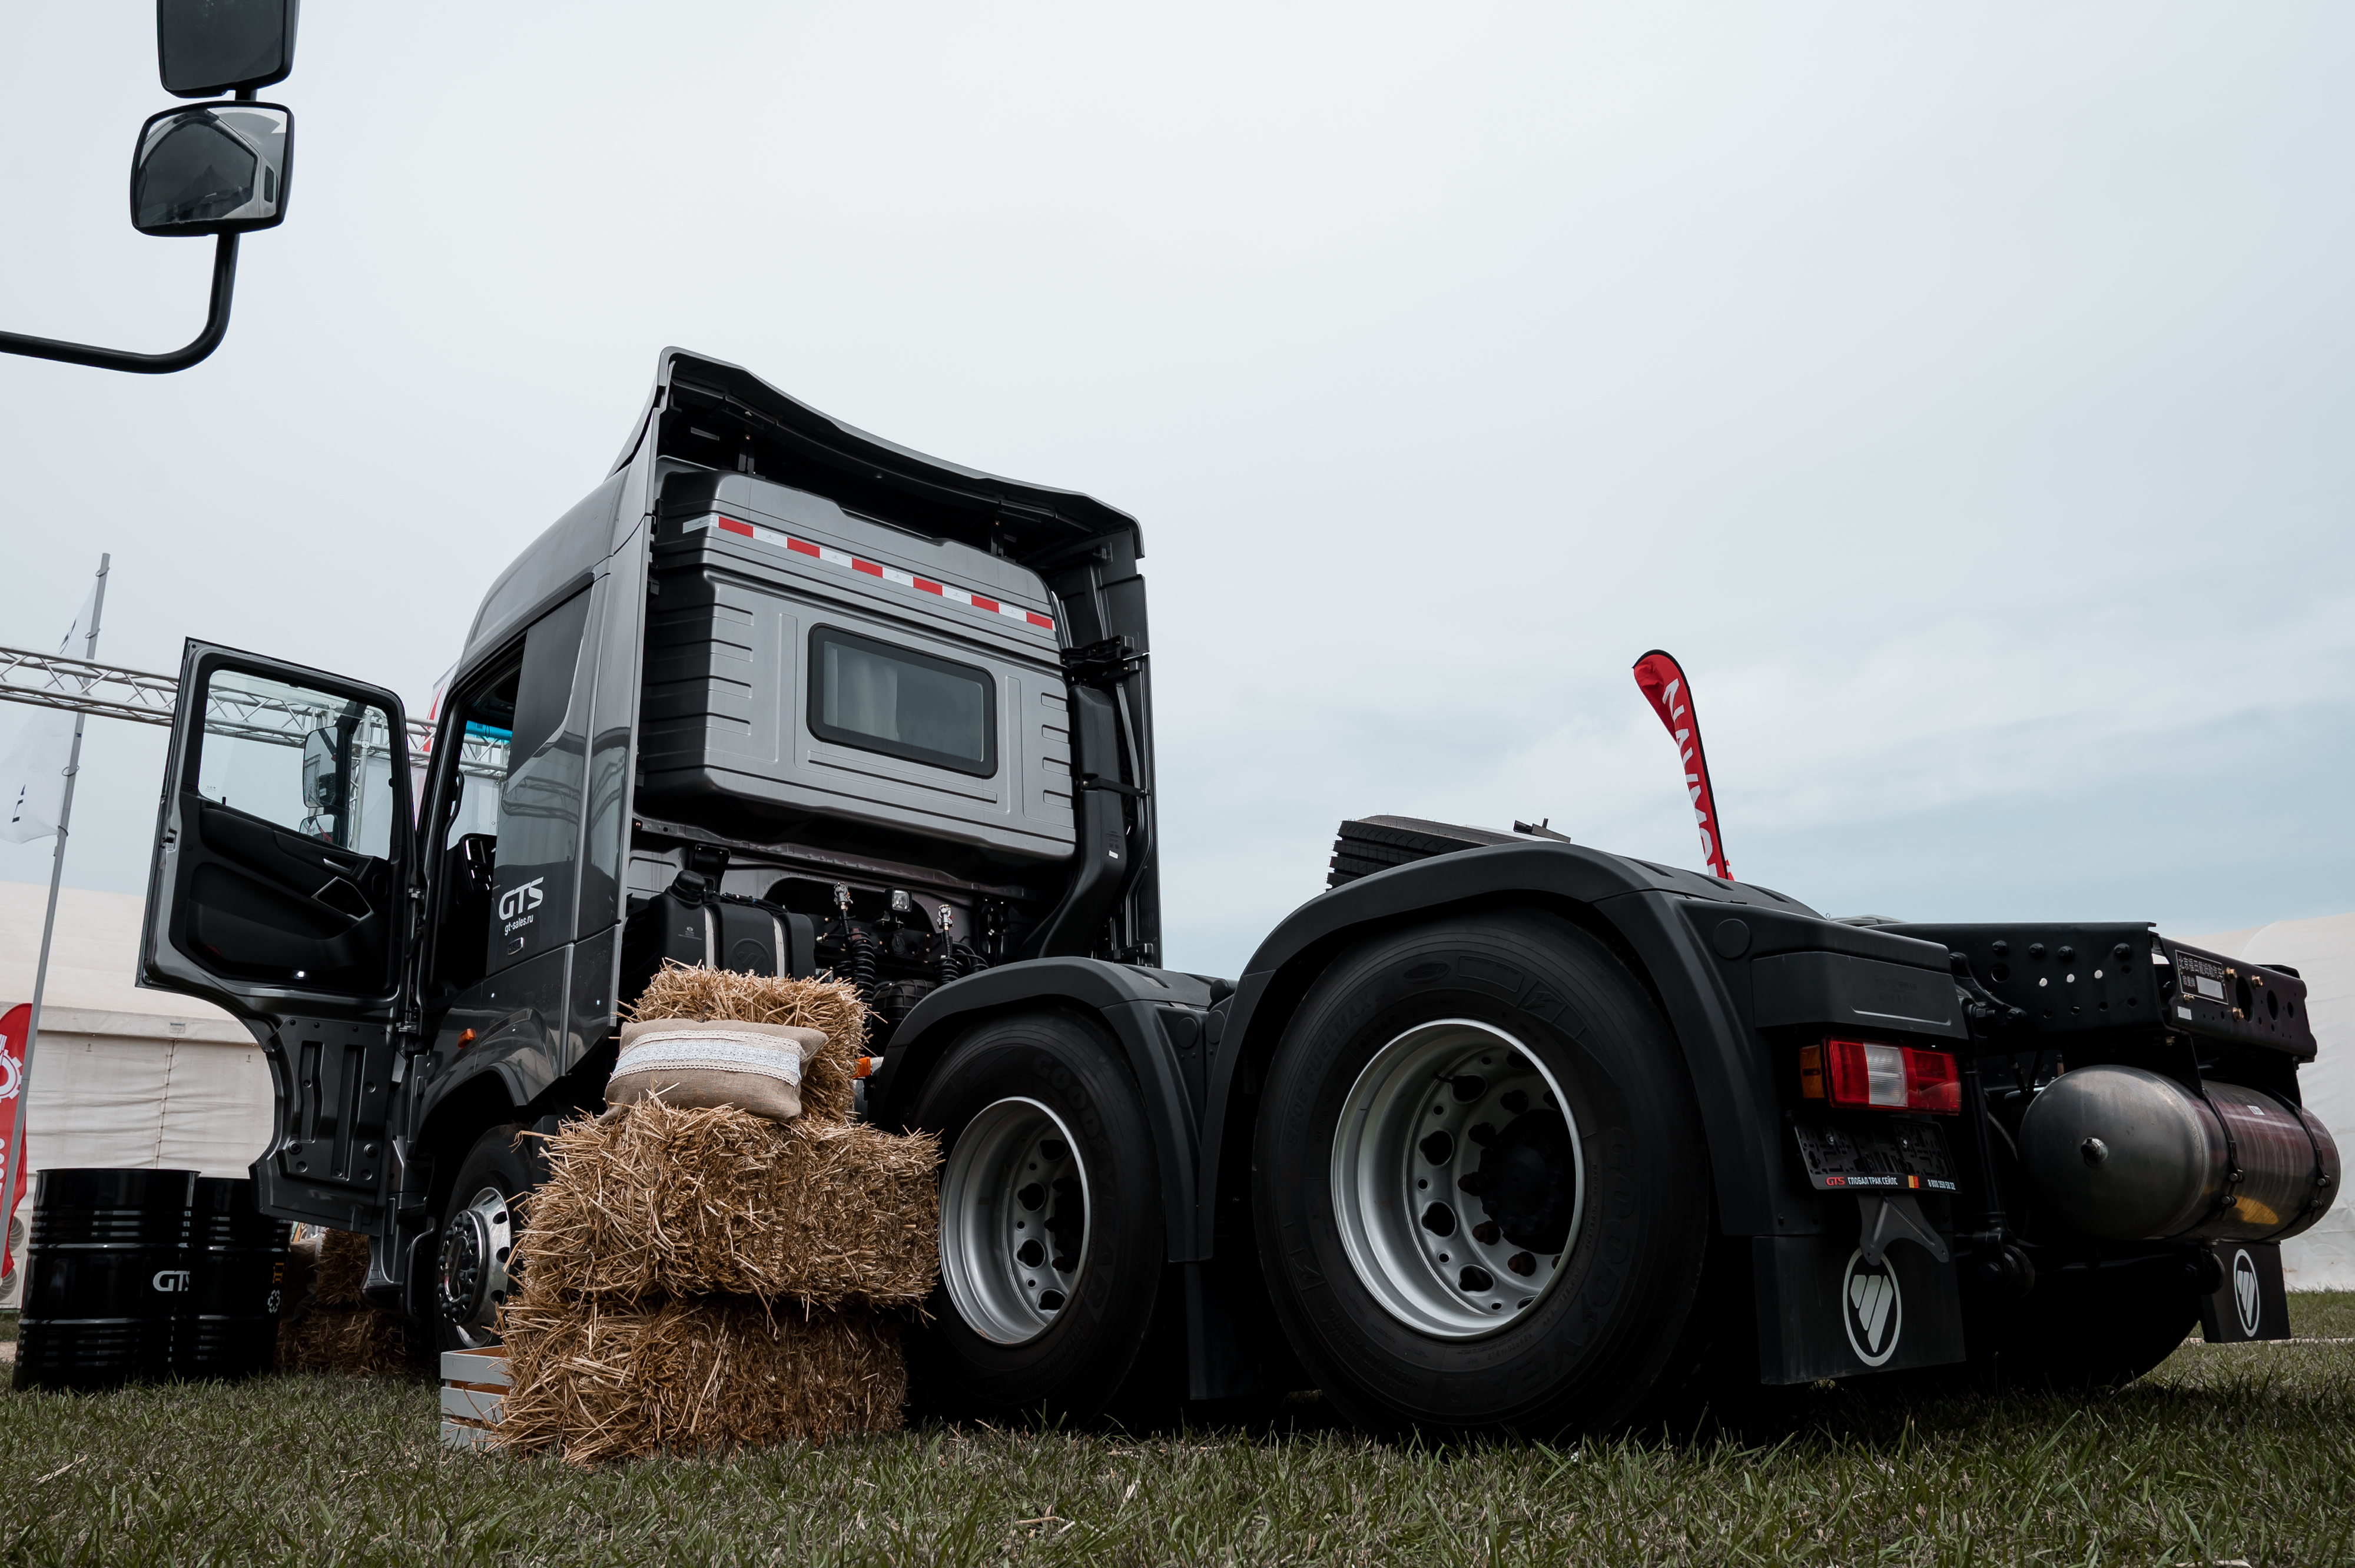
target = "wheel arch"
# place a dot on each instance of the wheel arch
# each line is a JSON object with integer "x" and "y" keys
{"x": 1123, "y": 1002}
{"x": 496, "y": 1088}
{"x": 1627, "y": 904}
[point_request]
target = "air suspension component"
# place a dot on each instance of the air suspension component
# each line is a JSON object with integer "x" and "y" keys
{"x": 2127, "y": 1155}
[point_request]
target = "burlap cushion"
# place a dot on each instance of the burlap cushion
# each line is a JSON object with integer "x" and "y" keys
{"x": 754, "y": 1066}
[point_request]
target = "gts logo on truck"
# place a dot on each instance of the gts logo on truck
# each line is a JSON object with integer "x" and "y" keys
{"x": 516, "y": 904}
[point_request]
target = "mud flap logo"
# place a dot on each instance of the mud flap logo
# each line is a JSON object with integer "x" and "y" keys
{"x": 2245, "y": 1295}
{"x": 1872, "y": 1307}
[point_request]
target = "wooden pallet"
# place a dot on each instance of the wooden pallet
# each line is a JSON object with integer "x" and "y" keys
{"x": 472, "y": 1383}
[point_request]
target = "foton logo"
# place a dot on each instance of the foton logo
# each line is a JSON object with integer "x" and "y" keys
{"x": 1873, "y": 1308}
{"x": 172, "y": 1281}
{"x": 2247, "y": 1295}
{"x": 516, "y": 901}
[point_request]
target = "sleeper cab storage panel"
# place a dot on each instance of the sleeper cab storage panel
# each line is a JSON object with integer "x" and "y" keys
{"x": 726, "y": 707}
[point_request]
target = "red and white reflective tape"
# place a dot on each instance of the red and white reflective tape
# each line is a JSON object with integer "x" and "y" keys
{"x": 833, "y": 556}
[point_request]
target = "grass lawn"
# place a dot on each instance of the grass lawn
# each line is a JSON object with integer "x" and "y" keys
{"x": 2225, "y": 1453}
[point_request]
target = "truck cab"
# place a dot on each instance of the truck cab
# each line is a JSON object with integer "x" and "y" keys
{"x": 777, "y": 694}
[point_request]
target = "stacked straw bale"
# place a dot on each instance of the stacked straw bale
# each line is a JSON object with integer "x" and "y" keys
{"x": 336, "y": 1330}
{"x": 706, "y": 1278}
{"x": 712, "y": 1373}
{"x": 647, "y": 1202}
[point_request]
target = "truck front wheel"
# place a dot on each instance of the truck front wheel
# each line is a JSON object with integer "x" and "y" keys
{"x": 1480, "y": 1185}
{"x": 1050, "y": 1223}
{"x": 479, "y": 1227}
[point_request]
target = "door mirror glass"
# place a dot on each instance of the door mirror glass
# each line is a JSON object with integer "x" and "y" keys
{"x": 318, "y": 766}
{"x": 220, "y": 168}
{"x": 208, "y": 47}
{"x": 323, "y": 781}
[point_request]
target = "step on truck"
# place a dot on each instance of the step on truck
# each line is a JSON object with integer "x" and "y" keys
{"x": 1498, "y": 1131}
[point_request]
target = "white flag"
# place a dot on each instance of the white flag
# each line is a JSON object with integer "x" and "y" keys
{"x": 33, "y": 775}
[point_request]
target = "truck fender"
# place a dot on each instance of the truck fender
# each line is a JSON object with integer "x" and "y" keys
{"x": 522, "y": 1060}
{"x": 1630, "y": 903}
{"x": 1137, "y": 1006}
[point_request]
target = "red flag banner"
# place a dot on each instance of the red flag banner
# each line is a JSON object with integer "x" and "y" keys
{"x": 1664, "y": 684}
{"x": 14, "y": 1023}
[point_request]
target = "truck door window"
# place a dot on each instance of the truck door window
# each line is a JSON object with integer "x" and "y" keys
{"x": 291, "y": 845}
{"x": 901, "y": 703}
{"x": 318, "y": 766}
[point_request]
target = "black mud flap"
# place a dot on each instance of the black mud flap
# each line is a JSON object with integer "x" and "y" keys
{"x": 2252, "y": 1303}
{"x": 1824, "y": 1311}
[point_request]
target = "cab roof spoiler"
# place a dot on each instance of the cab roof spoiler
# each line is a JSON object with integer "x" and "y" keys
{"x": 707, "y": 411}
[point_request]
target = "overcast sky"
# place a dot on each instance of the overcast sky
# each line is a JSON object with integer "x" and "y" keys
{"x": 1962, "y": 393}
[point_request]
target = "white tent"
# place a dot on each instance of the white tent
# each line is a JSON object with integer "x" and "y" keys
{"x": 123, "y": 1076}
{"x": 2323, "y": 953}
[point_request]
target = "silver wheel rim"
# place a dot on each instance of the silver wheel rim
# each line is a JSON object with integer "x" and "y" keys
{"x": 1014, "y": 1211}
{"x": 474, "y": 1278}
{"x": 1457, "y": 1117}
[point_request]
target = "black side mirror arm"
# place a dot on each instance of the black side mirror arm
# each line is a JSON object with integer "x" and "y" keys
{"x": 216, "y": 328}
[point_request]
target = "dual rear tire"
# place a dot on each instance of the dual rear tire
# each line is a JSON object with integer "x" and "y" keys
{"x": 1479, "y": 1183}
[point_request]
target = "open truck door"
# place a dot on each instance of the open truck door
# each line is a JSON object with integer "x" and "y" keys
{"x": 284, "y": 889}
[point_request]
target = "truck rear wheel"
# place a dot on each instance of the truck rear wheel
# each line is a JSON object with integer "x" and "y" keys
{"x": 1480, "y": 1179}
{"x": 1050, "y": 1223}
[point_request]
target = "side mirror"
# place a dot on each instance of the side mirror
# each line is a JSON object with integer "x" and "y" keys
{"x": 208, "y": 47}
{"x": 217, "y": 168}
{"x": 323, "y": 781}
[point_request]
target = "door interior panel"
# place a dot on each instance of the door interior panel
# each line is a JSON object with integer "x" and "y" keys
{"x": 332, "y": 1147}
{"x": 264, "y": 905}
{"x": 279, "y": 889}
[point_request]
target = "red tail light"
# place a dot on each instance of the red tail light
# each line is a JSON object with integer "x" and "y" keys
{"x": 1865, "y": 1074}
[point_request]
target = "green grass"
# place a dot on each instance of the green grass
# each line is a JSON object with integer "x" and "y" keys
{"x": 2227, "y": 1452}
{"x": 2322, "y": 1314}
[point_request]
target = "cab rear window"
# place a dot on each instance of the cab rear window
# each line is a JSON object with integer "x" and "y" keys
{"x": 879, "y": 697}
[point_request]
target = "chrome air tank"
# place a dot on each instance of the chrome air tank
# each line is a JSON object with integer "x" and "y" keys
{"x": 2127, "y": 1155}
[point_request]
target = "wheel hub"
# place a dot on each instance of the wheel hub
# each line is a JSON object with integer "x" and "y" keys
{"x": 1457, "y": 1178}
{"x": 1525, "y": 1181}
{"x": 474, "y": 1279}
{"x": 1014, "y": 1221}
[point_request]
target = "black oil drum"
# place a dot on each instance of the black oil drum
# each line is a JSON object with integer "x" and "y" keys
{"x": 237, "y": 1265}
{"x": 106, "y": 1277}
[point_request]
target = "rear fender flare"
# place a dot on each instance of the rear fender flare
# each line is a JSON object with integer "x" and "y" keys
{"x": 1630, "y": 904}
{"x": 1108, "y": 996}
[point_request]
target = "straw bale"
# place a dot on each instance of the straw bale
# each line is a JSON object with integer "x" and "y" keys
{"x": 341, "y": 1270}
{"x": 604, "y": 1382}
{"x": 651, "y": 1200}
{"x": 359, "y": 1341}
{"x": 826, "y": 1004}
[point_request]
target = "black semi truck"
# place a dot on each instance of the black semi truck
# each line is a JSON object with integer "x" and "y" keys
{"x": 1499, "y": 1131}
